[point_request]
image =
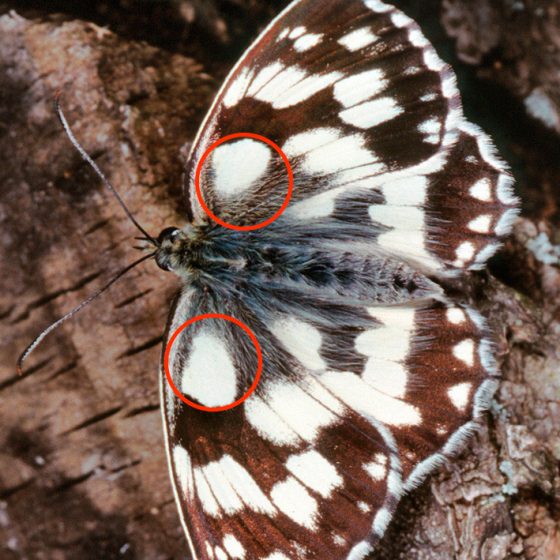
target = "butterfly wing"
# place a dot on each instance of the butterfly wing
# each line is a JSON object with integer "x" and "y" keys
{"x": 348, "y": 416}
{"x": 371, "y": 122}
{"x": 371, "y": 376}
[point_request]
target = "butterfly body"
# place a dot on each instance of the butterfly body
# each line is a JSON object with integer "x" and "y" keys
{"x": 372, "y": 374}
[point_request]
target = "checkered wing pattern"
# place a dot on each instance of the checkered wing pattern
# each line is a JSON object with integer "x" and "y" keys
{"x": 372, "y": 375}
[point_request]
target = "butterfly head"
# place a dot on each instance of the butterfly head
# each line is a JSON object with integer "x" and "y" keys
{"x": 169, "y": 242}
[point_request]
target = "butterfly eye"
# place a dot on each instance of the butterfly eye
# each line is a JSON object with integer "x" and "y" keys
{"x": 169, "y": 233}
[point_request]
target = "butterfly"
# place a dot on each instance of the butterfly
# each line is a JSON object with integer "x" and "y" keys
{"x": 334, "y": 188}
{"x": 372, "y": 375}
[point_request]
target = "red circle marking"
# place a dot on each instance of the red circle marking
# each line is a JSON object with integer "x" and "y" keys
{"x": 253, "y": 340}
{"x": 254, "y": 137}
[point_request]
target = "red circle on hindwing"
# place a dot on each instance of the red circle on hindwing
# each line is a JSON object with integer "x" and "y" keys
{"x": 260, "y": 138}
{"x": 249, "y": 333}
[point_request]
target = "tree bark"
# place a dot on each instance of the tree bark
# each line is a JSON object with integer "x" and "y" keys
{"x": 82, "y": 465}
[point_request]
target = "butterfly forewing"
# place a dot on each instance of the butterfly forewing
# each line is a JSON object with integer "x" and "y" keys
{"x": 371, "y": 375}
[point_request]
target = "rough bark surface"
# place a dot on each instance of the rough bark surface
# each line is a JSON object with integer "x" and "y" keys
{"x": 82, "y": 464}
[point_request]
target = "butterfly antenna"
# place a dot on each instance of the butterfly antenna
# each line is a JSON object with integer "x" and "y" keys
{"x": 25, "y": 354}
{"x": 86, "y": 157}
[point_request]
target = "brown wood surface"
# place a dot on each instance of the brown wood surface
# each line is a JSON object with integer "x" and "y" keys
{"x": 82, "y": 465}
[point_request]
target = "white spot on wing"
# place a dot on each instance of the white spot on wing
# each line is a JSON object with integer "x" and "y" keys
{"x": 287, "y": 86}
{"x": 338, "y": 540}
{"x": 387, "y": 377}
{"x": 250, "y": 492}
{"x": 306, "y": 88}
{"x": 363, "y": 507}
{"x": 236, "y": 91}
{"x": 234, "y": 548}
{"x": 307, "y": 42}
{"x": 378, "y": 6}
{"x": 291, "y": 414}
{"x": 465, "y": 253}
{"x": 464, "y": 351}
{"x": 456, "y": 315}
{"x": 358, "y": 39}
{"x": 239, "y": 165}
{"x": 372, "y": 113}
{"x": 408, "y": 191}
{"x": 359, "y": 87}
{"x": 301, "y": 339}
{"x": 367, "y": 401}
{"x": 227, "y": 483}
{"x": 431, "y": 129}
{"x": 482, "y": 190}
{"x": 315, "y": 472}
{"x": 318, "y": 206}
{"x": 305, "y": 142}
{"x": 183, "y": 468}
{"x": 263, "y": 77}
{"x": 460, "y": 394}
{"x": 205, "y": 495}
{"x": 220, "y": 554}
{"x": 209, "y": 375}
{"x": 291, "y": 498}
{"x": 481, "y": 224}
{"x": 377, "y": 469}
{"x": 345, "y": 153}
{"x": 297, "y": 32}
{"x": 407, "y": 236}
{"x": 284, "y": 33}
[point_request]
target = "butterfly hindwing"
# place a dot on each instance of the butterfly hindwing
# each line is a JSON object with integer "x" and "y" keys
{"x": 315, "y": 462}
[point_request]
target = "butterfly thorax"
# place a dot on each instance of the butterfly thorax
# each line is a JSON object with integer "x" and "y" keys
{"x": 224, "y": 261}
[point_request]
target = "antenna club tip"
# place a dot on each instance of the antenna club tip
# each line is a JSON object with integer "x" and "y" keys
{"x": 19, "y": 369}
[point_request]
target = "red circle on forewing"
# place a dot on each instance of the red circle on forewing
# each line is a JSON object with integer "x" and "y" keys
{"x": 276, "y": 148}
{"x": 233, "y": 320}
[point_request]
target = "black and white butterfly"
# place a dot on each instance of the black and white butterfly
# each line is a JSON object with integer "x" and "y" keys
{"x": 372, "y": 377}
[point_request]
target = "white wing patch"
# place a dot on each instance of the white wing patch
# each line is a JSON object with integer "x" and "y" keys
{"x": 209, "y": 376}
{"x": 234, "y": 548}
{"x": 377, "y": 469}
{"x": 294, "y": 500}
{"x": 369, "y": 402}
{"x": 239, "y": 165}
{"x": 285, "y": 86}
{"x": 358, "y": 39}
{"x": 328, "y": 151}
{"x": 481, "y": 224}
{"x": 372, "y": 113}
{"x": 301, "y": 339}
{"x": 460, "y": 394}
{"x": 183, "y": 467}
{"x": 360, "y": 87}
{"x": 482, "y": 190}
{"x": 464, "y": 351}
{"x": 307, "y": 42}
{"x": 290, "y": 414}
{"x": 315, "y": 472}
{"x": 225, "y": 486}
